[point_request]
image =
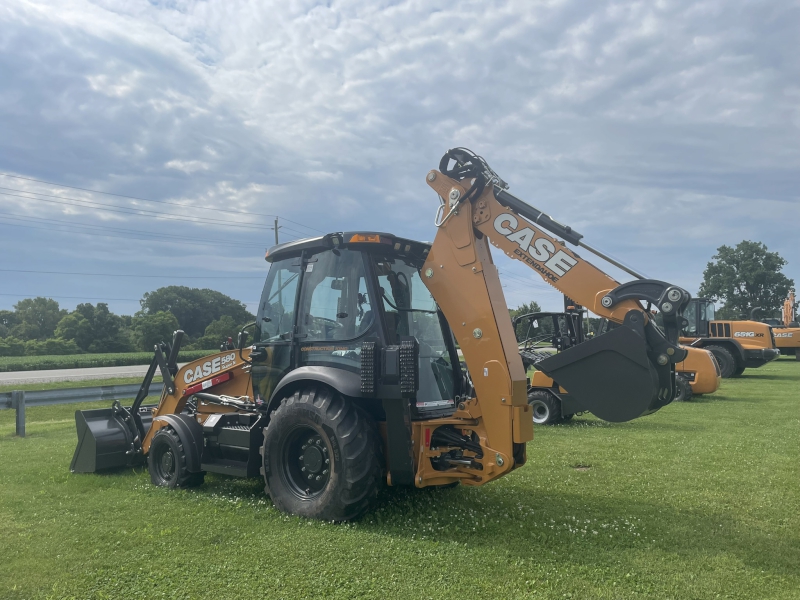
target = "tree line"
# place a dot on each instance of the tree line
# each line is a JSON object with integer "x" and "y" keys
{"x": 740, "y": 278}
{"x": 38, "y": 326}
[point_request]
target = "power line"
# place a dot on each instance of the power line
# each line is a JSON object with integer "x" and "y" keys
{"x": 72, "y": 187}
{"x": 134, "y": 211}
{"x": 140, "y": 212}
{"x": 173, "y": 238}
{"x": 135, "y": 276}
{"x": 70, "y": 297}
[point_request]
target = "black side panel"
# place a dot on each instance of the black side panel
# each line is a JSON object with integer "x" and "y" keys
{"x": 398, "y": 432}
{"x": 191, "y": 434}
{"x": 345, "y": 382}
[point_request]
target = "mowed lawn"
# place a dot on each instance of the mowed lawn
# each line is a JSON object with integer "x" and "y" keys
{"x": 701, "y": 500}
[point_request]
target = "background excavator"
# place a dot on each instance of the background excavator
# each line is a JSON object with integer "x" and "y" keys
{"x": 736, "y": 345}
{"x": 353, "y": 378}
{"x": 786, "y": 330}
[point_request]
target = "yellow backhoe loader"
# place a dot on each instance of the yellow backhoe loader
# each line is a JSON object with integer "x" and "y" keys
{"x": 736, "y": 345}
{"x": 786, "y": 330}
{"x": 353, "y": 378}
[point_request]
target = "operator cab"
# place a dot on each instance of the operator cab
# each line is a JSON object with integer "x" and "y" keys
{"x": 325, "y": 297}
{"x": 698, "y": 314}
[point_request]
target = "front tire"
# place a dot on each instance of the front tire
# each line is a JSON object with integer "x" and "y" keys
{"x": 725, "y": 360}
{"x": 166, "y": 462}
{"x": 545, "y": 407}
{"x": 322, "y": 456}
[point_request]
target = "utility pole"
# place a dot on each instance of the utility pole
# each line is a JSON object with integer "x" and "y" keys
{"x": 276, "y": 230}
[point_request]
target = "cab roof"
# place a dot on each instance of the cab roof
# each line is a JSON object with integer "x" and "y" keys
{"x": 361, "y": 240}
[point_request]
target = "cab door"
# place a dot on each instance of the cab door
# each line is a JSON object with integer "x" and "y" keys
{"x": 275, "y": 324}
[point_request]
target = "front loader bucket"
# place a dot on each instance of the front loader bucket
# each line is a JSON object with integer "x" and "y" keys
{"x": 109, "y": 438}
{"x": 610, "y": 376}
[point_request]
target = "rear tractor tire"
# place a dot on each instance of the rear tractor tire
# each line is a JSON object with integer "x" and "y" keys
{"x": 322, "y": 456}
{"x": 545, "y": 407}
{"x": 166, "y": 462}
{"x": 725, "y": 360}
{"x": 683, "y": 389}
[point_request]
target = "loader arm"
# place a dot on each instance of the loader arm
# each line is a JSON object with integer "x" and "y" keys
{"x": 617, "y": 377}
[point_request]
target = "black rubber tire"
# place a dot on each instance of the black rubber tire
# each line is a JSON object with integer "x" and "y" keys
{"x": 545, "y": 407}
{"x": 797, "y": 354}
{"x": 683, "y": 389}
{"x": 350, "y": 442}
{"x": 725, "y": 360}
{"x": 738, "y": 371}
{"x": 166, "y": 462}
{"x": 567, "y": 418}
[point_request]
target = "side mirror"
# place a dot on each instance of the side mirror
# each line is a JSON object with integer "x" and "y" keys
{"x": 242, "y": 338}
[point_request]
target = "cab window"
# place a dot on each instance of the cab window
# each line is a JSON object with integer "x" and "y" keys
{"x": 276, "y": 308}
{"x": 334, "y": 303}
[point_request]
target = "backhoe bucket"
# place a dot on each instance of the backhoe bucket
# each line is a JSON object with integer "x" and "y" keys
{"x": 610, "y": 376}
{"x": 108, "y": 438}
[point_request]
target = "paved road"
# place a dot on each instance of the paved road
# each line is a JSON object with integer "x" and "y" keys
{"x": 72, "y": 374}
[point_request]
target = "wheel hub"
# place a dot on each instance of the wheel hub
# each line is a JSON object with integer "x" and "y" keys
{"x": 312, "y": 459}
{"x": 308, "y": 464}
{"x": 167, "y": 462}
{"x": 540, "y": 412}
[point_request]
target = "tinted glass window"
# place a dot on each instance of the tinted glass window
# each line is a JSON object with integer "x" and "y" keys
{"x": 276, "y": 309}
{"x": 410, "y": 310}
{"x": 690, "y": 314}
{"x": 334, "y": 301}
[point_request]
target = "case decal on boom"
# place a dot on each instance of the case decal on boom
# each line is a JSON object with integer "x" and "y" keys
{"x": 534, "y": 249}
{"x": 209, "y": 367}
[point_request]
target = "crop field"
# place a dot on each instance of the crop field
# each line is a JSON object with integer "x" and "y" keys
{"x": 79, "y": 361}
{"x": 697, "y": 501}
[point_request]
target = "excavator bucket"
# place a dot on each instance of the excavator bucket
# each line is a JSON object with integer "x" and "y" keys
{"x": 108, "y": 438}
{"x": 610, "y": 376}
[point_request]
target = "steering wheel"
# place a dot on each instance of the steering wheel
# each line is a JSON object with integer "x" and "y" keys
{"x": 326, "y": 323}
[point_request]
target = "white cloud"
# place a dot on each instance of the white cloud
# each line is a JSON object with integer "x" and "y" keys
{"x": 660, "y": 129}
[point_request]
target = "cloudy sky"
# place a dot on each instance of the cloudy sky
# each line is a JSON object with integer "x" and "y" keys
{"x": 658, "y": 129}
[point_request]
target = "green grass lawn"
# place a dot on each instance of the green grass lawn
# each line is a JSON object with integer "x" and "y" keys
{"x": 701, "y": 500}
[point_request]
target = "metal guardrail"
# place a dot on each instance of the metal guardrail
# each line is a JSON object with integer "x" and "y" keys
{"x": 86, "y": 394}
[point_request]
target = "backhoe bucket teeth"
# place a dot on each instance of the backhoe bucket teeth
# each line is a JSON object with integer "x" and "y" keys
{"x": 108, "y": 438}
{"x": 610, "y": 376}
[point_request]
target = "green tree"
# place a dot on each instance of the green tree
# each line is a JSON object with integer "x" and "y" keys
{"x": 217, "y": 332}
{"x": 94, "y": 329}
{"x": 36, "y": 318}
{"x": 154, "y": 328}
{"x": 745, "y": 277}
{"x": 11, "y": 346}
{"x": 8, "y": 319}
{"x": 194, "y": 308}
{"x": 50, "y": 347}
